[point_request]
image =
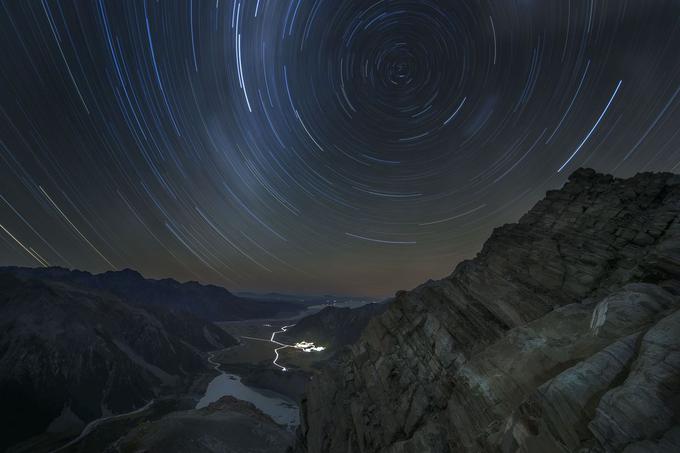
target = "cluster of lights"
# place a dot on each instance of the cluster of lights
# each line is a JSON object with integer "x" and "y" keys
{"x": 306, "y": 346}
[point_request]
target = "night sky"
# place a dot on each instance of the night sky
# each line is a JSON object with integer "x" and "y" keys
{"x": 318, "y": 146}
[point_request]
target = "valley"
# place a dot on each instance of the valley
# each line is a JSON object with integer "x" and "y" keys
{"x": 202, "y": 373}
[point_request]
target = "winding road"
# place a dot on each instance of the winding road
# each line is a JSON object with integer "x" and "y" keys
{"x": 278, "y": 343}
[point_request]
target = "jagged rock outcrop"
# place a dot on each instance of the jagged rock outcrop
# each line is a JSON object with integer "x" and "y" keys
{"x": 562, "y": 335}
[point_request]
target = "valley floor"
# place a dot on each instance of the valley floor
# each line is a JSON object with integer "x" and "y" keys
{"x": 208, "y": 409}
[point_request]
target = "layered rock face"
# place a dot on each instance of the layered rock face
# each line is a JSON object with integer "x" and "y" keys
{"x": 562, "y": 335}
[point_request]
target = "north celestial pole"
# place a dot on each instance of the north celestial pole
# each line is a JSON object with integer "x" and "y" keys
{"x": 315, "y": 146}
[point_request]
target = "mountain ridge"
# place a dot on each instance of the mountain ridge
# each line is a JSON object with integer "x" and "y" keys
{"x": 209, "y": 302}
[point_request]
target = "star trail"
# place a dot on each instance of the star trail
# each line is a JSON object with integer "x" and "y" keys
{"x": 315, "y": 145}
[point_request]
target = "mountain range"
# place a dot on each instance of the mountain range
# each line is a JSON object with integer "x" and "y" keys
{"x": 209, "y": 302}
{"x": 72, "y": 352}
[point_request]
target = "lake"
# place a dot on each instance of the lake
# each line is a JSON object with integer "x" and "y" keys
{"x": 280, "y": 408}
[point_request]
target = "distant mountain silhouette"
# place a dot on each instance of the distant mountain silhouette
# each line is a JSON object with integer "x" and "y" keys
{"x": 209, "y": 302}
{"x": 306, "y": 299}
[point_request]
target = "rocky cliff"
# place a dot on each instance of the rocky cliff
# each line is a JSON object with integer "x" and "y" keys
{"x": 562, "y": 335}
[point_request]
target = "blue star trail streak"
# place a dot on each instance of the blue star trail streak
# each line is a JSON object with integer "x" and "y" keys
{"x": 315, "y": 145}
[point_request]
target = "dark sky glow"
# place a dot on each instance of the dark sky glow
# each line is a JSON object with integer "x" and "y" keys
{"x": 320, "y": 146}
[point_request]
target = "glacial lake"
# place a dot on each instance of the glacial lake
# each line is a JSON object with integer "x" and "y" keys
{"x": 283, "y": 410}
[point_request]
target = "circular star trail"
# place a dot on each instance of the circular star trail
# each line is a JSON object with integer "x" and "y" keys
{"x": 298, "y": 145}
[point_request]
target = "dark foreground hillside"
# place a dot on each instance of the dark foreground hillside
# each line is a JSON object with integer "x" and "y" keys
{"x": 562, "y": 335}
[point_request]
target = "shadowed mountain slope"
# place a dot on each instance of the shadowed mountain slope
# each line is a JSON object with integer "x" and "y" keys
{"x": 69, "y": 355}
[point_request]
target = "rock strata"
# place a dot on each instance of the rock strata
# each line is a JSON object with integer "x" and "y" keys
{"x": 562, "y": 335}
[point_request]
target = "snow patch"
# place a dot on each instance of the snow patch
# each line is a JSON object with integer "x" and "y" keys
{"x": 599, "y": 316}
